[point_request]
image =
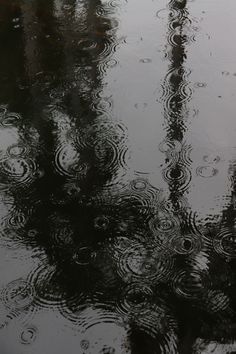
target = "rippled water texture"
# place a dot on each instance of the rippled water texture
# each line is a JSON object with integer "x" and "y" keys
{"x": 117, "y": 177}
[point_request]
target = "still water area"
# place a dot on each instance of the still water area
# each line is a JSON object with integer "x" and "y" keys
{"x": 117, "y": 177}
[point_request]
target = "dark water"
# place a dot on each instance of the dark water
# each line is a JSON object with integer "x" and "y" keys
{"x": 117, "y": 177}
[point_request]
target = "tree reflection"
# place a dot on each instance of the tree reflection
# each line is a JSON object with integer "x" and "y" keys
{"x": 110, "y": 250}
{"x": 201, "y": 310}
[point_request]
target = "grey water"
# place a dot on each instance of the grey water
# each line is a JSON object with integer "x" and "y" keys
{"x": 117, "y": 177}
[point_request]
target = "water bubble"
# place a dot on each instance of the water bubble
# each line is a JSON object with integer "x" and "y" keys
{"x": 28, "y": 335}
{"x": 200, "y": 84}
{"x": 145, "y": 60}
{"x": 139, "y": 184}
{"x": 206, "y": 171}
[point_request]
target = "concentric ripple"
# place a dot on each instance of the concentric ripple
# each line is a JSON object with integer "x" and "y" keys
{"x": 18, "y": 171}
{"x": 107, "y": 8}
{"x": 206, "y": 171}
{"x": 98, "y": 46}
{"x": 18, "y": 294}
{"x": 137, "y": 303}
{"x": 190, "y": 284}
{"x": 102, "y": 105}
{"x": 224, "y": 243}
{"x": 101, "y": 222}
{"x": 10, "y": 119}
{"x": 110, "y": 156}
{"x": 185, "y": 155}
{"x": 176, "y": 89}
{"x": 172, "y": 150}
{"x": 144, "y": 203}
{"x": 164, "y": 224}
{"x": 3, "y": 110}
{"x": 83, "y": 256}
{"x": 178, "y": 177}
{"x": 68, "y": 161}
{"x": 161, "y": 325}
{"x": 44, "y": 280}
{"x": 101, "y": 130}
{"x": 170, "y": 145}
{"x": 165, "y": 12}
{"x": 139, "y": 184}
{"x": 103, "y": 331}
{"x": 17, "y": 151}
{"x": 107, "y": 64}
{"x": 141, "y": 263}
{"x": 186, "y": 244}
{"x": 135, "y": 299}
{"x": 62, "y": 234}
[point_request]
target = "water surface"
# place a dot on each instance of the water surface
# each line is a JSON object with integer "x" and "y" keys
{"x": 117, "y": 177}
